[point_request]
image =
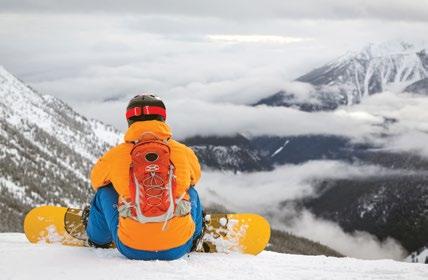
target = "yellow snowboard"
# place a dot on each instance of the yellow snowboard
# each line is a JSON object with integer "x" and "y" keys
{"x": 225, "y": 233}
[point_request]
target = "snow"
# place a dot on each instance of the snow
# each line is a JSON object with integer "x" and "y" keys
{"x": 420, "y": 256}
{"x": 393, "y": 64}
{"x": 112, "y": 137}
{"x": 17, "y": 191}
{"x": 280, "y": 148}
{"x": 22, "y": 260}
{"x": 25, "y": 108}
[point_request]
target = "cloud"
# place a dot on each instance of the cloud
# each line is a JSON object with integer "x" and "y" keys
{"x": 408, "y": 131}
{"x": 358, "y": 244}
{"x": 288, "y": 182}
{"x": 91, "y": 57}
{"x": 413, "y": 142}
{"x": 40, "y": 47}
{"x": 263, "y": 192}
{"x": 229, "y": 119}
{"x": 273, "y": 39}
{"x": 240, "y": 9}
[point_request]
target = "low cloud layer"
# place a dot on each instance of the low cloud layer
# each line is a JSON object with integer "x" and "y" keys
{"x": 399, "y": 116}
{"x": 408, "y": 113}
{"x": 413, "y": 142}
{"x": 358, "y": 244}
{"x": 266, "y": 190}
{"x": 193, "y": 117}
{"x": 288, "y": 182}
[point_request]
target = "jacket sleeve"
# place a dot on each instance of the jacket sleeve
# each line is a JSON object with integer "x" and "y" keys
{"x": 195, "y": 168}
{"x": 100, "y": 174}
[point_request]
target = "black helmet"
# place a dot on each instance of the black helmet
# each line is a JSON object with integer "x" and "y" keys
{"x": 145, "y": 107}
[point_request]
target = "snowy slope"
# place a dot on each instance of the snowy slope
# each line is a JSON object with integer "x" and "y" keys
{"x": 21, "y": 260}
{"x": 419, "y": 256}
{"x": 46, "y": 151}
{"x": 22, "y": 107}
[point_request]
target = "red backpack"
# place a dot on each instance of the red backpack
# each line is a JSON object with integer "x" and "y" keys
{"x": 152, "y": 183}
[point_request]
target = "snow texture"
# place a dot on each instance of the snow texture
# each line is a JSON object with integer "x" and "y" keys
{"x": 22, "y": 260}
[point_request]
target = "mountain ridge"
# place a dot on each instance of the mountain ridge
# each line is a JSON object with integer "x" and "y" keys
{"x": 389, "y": 66}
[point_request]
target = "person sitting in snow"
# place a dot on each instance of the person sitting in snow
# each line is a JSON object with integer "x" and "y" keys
{"x": 145, "y": 200}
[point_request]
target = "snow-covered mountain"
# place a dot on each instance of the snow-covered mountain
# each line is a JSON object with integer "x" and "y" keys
{"x": 390, "y": 66}
{"x": 419, "y": 256}
{"x": 46, "y": 151}
{"x": 21, "y": 260}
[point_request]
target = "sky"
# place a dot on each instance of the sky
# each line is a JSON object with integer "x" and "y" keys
{"x": 95, "y": 55}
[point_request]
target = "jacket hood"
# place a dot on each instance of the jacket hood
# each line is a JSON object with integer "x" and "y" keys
{"x": 159, "y": 128}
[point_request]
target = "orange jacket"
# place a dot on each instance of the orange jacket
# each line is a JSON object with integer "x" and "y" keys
{"x": 113, "y": 167}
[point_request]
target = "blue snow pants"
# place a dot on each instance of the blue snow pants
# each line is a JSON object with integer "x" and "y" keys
{"x": 104, "y": 219}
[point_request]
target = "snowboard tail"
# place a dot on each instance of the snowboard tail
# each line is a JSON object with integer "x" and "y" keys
{"x": 224, "y": 233}
{"x": 48, "y": 224}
